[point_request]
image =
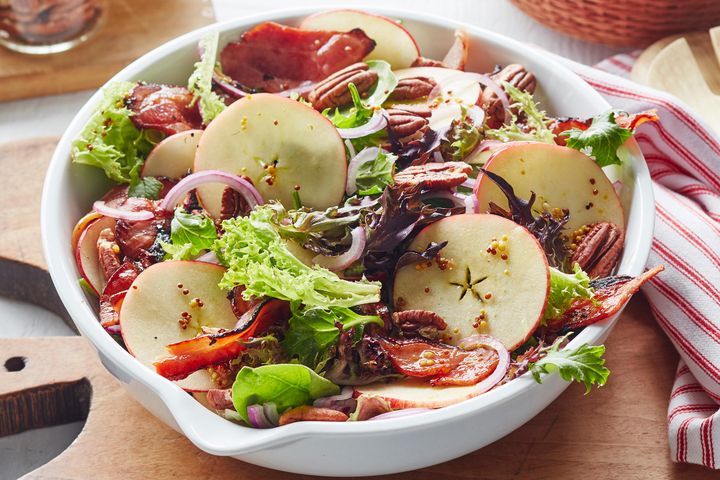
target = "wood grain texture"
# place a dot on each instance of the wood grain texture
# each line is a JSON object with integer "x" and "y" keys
{"x": 23, "y": 274}
{"x": 618, "y": 431}
{"x": 131, "y": 28}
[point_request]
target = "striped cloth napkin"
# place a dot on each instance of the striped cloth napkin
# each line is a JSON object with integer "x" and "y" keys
{"x": 683, "y": 155}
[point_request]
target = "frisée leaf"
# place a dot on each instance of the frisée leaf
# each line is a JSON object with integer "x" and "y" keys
{"x": 200, "y": 81}
{"x": 564, "y": 289}
{"x": 584, "y": 364}
{"x": 536, "y": 123}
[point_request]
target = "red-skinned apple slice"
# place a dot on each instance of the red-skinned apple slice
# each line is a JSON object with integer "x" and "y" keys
{"x": 416, "y": 393}
{"x": 86, "y": 253}
{"x": 502, "y": 294}
{"x": 561, "y": 177}
{"x": 393, "y": 43}
{"x": 174, "y": 156}
{"x": 154, "y": 305}
{"x": 81, "y": 225}
{"x": 280, "y": 145}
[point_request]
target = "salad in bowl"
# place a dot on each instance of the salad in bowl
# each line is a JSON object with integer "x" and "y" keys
{"x": 324, "y": 225}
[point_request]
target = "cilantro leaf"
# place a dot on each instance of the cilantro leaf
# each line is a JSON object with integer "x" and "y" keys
{"x": 564, "y": 289}
{"x": 584, "y": 364}
{"x": 200, "y": 81}
{"x": 145, "y": 187}
{"x": 374, "y": 176}
{"x": 601, "y": 140}
{"x": 110, "y": 140}
{"x": 536, "y": 122}
{"x": 313, "y": 331}
{"x": 190, "y": 235}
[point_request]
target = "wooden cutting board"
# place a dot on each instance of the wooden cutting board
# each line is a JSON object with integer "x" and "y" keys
{"x": 618, "y": 431}
{"x": 131, "y": 28}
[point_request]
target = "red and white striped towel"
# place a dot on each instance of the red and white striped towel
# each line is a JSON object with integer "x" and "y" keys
{"x": 683, "y": 154}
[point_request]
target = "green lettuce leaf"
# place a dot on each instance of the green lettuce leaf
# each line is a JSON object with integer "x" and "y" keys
{"x": 313, "y": 331}
{"x": 386, "y": 83}
{"x": 286, "y": 385}
{"x": 190, "y": 235}
{"x": 461, "y": 139}
{"x": 258, "y": 258}
{"x": 200, "y": 81}
{"x": 601, "y": 140}
{"x": 374, "y": 176}
{"x": 536, "y": 121}
{"x": 584, "y": 364}
{"x": 145, "y": 187}
{"x": 564, "y": 289}
{"x": 110, "y": 141}
{"x": 351, "y": 117}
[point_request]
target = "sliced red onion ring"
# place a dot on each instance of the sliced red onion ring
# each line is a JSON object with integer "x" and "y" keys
{"x": 366, "y": 155}
{"x": 503, "y": 362}
{"x": 350, "y": 148}
{"x": 376, "y": 123}
{"x": 102, "y": 208}
{"x": 271, "y": 413}
{"x": 400, "y": 413}
{"x": 618, "y": 186}
{"x": 437, "y": 157}
{"x": 477, "y": 115}
{"x": 209, "y": 257}
{"x": 176, "y": 194}
{"x": 341, "y": 262}
{"x": 257, "y": 418}
{"x": 469, "y": 183}
{"x": 471, "y": 203}
{"x": 345, "y": 394}
{"x": 113, "y": 329}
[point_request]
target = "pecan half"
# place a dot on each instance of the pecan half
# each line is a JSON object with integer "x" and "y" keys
{"x": 333, "y": 91}
{"x": 427, "y": 62}
{"x": 108, "y": 252}
{"x": 308, "y": 413}
{"x": 515, "y": 75}
{"x": 600, "y": 249}
{"x": 408, "y": 122}
{"x": 419, "y": 322}
{"x": 413, "y": 88}
{"x": 434, "y": 176}
{"x": 232, "y": 204}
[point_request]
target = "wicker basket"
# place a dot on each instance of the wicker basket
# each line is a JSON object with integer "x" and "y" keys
{"x": 623, "y": 23}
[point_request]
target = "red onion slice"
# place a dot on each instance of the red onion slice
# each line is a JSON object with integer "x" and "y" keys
{"x": 257, "y": 418}
{"x": 503, "y": 362}
{"x": 376, "y": 123}
{"x": 341, "y": 262}
{"x": 271, "y": 413}
{"x": 366, "y": 155}
{"x": 345, "y": 394}
{"x": 477, "y": 115}
{"x": 138, "y": 216}
{"x": 437, "y": 157}
{"x": 400, "y": 413}
{"x": 350, "y": 148}
{"x": 471, "y": 203}
{"x": 209, "y": 257}
{"x": 469, "y": 183}
{"x": 176, "y": 194}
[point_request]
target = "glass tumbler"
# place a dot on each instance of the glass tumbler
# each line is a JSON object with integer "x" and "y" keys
{"x": 47, "y": 26}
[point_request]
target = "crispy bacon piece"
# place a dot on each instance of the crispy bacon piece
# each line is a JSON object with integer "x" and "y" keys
{"x": 114, "y": 293}
{"x": 611, "y": 294}
{"x": 563, "y": 124}
{"x": 273, "y": 57}
{"x": 416, "y": 358}
{"x": 138, "y": 240}
{"x": 207, "y": 350}
{"x": 626, "y": 121}
{"x": 434, "y": 176}
{"x": 476, "y": 366}
{"x": 220, "y": 399}
{"x": 166, "y": 108}
{"x": 635, "y": 120}
{"x": 108, "y": 251}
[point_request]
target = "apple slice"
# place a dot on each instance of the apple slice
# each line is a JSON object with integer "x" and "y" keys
{"x": 415, "y": 393}
{"x": 280, "y": 145}
{"x": 174, "y": 156}
{"x": 393, "y": 43}
{"x": 86, "y": 253}
{"x": 153, "y": 307}
{"x": 81, "y": 225}
{"x": 561, "y": 177}
{"x": 502, "y": 294}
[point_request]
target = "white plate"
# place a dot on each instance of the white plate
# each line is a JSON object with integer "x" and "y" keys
{"x": 358, "y": 448}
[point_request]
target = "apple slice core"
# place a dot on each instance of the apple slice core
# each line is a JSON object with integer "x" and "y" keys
{"x": 561, "y": 177}
{"x": 174, "y": 156}
{"x": 281, "y": 145}
{"x": 502, "y": 294}
{"x": 154, "y": 305}
{"x": 393, "y": 43}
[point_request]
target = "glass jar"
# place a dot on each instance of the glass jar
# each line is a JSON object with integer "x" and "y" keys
{"x": 47, "y": 26}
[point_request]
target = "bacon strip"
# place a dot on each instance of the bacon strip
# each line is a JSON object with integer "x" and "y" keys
{"x": 273, "y": 57}
{"x": 165, "y": 108}
{"x": 611, "y": 294}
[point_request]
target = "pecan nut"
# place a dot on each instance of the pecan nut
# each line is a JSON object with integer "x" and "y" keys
{"x": 434, "y": 176}
{"x": 232, "y": 204}
{"x": 515, "y": 75}
{"x": 419, "y": 322}
{"x": 427, "y": 62}
{"x": 108, "y": 252}
{"x": 408, "y": 122}
{"x": 599, "y": 250}
{"x": 308, "y": 413}
{"x": 333, "y": 91}
{"x": 413, "y": 88}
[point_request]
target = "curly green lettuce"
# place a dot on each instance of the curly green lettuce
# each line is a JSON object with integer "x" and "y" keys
{"x": 584, "y": 364}
{"x": 200, "y": 81}
{"x": 536, "y": 122}
{"x": 110, "y": 141}
{"x": 258, "y": 258}
{"x": 564, "y": 289}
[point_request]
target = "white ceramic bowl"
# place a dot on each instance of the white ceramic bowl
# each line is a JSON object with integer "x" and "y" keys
{"x": 360, "y": 448}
